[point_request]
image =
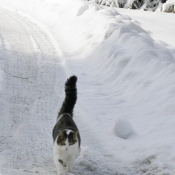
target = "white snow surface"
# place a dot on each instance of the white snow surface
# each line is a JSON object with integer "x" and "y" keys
{"x": 125, "y": 68}
{"x": 123, "y": 129}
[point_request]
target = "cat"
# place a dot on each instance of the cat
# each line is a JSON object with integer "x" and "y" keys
{"x": 65, "y": 133}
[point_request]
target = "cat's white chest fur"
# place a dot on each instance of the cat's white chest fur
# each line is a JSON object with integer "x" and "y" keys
{"x": 64, "y": 156}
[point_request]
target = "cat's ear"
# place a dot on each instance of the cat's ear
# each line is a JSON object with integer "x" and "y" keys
{"x": 60, "y": 133}
{"x": 75, "y": 135}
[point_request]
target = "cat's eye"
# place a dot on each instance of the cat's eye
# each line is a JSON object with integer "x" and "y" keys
{"x": 73, "y": 142}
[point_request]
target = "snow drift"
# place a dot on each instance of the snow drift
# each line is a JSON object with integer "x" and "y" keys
{"x": 122, "y": 72}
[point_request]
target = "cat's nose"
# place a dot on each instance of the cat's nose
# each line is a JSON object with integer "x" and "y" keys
{"x": 66, "y": 149}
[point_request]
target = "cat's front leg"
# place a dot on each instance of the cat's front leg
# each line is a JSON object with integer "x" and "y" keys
{"x": 71, "y": 159}
{"x": 59, "y": 165}
{"x": 60, "y": 170}
{"x": 70, "y": 163}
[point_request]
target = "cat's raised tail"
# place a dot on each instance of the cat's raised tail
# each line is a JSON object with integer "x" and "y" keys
{"x": 70, "y": 96}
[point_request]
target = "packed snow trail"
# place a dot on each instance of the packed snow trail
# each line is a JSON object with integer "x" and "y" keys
{"x": 122, "y": 73}
{"x": 31, "y": 94}
{"x": 32, "y": 70}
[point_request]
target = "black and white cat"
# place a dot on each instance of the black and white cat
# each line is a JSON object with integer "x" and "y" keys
{"x": 65, "y": 133}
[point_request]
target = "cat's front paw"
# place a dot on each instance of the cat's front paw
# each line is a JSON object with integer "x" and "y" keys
{"x": 61, "y": 172}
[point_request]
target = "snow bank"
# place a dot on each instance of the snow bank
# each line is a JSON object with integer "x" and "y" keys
{"x": 122, "y": 72}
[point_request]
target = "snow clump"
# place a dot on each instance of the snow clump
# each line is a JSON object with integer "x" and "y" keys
{"x": 123, "y": 128}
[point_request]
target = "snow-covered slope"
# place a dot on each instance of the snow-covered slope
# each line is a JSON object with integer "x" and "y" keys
{"x": 125, "y": 109}
{"x": 160, "y": 26}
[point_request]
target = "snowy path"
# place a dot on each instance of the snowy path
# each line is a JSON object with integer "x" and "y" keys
{"x": 31, "y": 93}
{"x": 32, "y": 71}
{"x": 122, "y": 73}
{"x": 34, "y": 75}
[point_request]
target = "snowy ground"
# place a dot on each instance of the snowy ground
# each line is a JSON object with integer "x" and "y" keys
{"x": 160, "y": 26}
{"x": 126, "y": 87}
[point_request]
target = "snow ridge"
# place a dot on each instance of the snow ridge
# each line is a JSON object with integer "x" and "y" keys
{"x": 123, "y": 74}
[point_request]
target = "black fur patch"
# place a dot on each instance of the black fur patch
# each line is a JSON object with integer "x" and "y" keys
{"x": 65, "y": 117}
{"x": 71, "y": 96}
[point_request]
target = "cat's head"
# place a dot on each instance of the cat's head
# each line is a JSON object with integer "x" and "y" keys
{"x": 67, "y": 138}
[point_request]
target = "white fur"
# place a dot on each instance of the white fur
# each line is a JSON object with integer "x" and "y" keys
{"x": 68, "y": 131}
{"x": 67, "y": 153}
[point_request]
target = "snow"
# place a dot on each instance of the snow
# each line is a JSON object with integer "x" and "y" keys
{"x": 162, "y": 32}
{"x": 169, "y": 6}
{"x": 123, "y": 129}
{"x": 125, "y": 66}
